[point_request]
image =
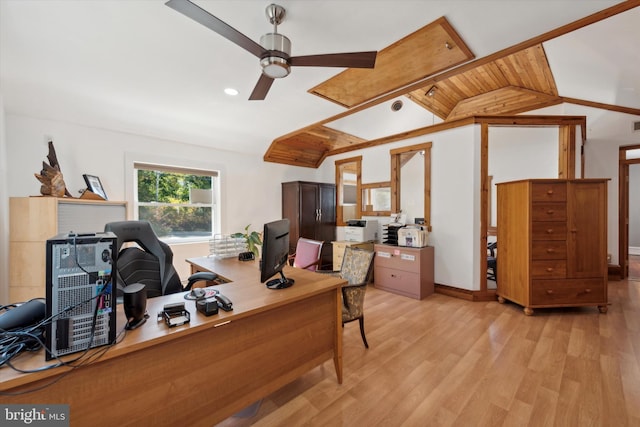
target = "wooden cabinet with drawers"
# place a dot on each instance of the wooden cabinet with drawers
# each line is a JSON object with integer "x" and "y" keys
{"x": 404, "y": 271}
{"x": 552, "y": 243}
{"x": 338, "y": 250}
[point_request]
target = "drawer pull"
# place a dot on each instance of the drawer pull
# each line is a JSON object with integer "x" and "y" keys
{"x": 549, "y": 192}
{"x": 550, "y": 212}
{"x": 550, "y": 231}
{"x": 587, "y": 291}
{"x": 549, "y": 269}
{"x": 549, "y": 291}
{"x": 550, "y": 250}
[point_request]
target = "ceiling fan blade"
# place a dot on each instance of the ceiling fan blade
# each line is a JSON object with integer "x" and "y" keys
{"x": 262, "y": 87}
{"x": 347, "y": 60}
{"x": 200, "y": 15}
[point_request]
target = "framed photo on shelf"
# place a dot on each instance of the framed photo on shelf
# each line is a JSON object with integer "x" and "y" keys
{"x": 94, "y": 185}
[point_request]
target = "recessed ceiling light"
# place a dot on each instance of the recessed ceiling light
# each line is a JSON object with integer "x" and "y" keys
{"x": 231, "y": 91}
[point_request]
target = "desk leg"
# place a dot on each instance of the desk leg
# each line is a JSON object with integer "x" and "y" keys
{"x": 337, "y": 349}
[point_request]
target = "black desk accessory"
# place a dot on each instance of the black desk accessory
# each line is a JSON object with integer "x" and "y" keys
{"x": 200, "y": 293}
{"x": 208, "y": 307}
{"x": 174, "y": 314}
{"x": 27, "y": 314}
{"x": 224, "y": 302}
{"x": 246, "y": 256}
{"x": 135, "y": 305}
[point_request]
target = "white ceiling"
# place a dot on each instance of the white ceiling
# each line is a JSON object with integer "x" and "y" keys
{"x": 138, "y": 66}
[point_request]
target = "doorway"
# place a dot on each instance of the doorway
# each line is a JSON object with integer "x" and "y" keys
{"x": 634, "y": 221}
{"x": 629, "y": 212}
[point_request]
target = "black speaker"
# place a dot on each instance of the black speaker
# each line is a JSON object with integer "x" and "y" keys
{"x": 135, "y": 305}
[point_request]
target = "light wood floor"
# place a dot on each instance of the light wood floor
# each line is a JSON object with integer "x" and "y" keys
{"x": 634, "y": 267}
{"x": 444, "y": 361}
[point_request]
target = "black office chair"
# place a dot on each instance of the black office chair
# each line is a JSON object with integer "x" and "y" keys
{"x": 492, "y": 262}
{"x": 150, "y": 264}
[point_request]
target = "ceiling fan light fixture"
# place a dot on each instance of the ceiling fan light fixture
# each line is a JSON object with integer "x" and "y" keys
{"x": 275, "y": 67}
{"x": 276, "y": 64}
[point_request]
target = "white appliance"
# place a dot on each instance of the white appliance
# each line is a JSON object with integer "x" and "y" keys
{"x": 361, "y": 230}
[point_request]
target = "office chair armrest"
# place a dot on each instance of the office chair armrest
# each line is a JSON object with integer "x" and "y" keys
{"x": 197, "y": 277}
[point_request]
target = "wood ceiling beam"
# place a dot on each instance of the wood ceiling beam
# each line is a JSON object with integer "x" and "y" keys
{"x": 532, "y": 120}
{"x": 600, "y": 105}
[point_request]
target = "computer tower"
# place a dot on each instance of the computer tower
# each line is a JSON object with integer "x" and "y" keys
{"x": 79, "y": 287}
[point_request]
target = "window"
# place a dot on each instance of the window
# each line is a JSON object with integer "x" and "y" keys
{"x": 179, "y": 203}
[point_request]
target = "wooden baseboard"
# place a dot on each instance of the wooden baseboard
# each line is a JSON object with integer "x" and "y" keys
{"x": 489, "y": 295}
{"x": 453, "y": 292}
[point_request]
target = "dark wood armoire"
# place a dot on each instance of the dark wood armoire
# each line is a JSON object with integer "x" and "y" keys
{"x": 311, "y": 209}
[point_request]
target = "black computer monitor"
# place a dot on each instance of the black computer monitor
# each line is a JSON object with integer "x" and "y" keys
{"x": 275, "y": 253}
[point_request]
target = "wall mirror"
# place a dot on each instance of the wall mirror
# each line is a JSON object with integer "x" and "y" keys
{"x": 376, "y": 199}
{"x": 411, "y": 182}
{"x": 348, "y": 189}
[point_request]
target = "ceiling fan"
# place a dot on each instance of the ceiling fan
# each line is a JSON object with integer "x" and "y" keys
{"x": 274, "y": 49}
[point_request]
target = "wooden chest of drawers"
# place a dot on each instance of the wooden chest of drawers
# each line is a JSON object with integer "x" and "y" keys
{"x": 404, "y": 271}
{"x": 552, "y": 237}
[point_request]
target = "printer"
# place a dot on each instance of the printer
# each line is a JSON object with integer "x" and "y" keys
{"x": 413, "y": 236}
{"x": 361, "y": 230}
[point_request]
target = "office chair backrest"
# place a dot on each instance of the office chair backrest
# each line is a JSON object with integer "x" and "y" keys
{"x": 152, "y": 265}
{"x": 308, "y": 254}
{"x": 356, "y": 265}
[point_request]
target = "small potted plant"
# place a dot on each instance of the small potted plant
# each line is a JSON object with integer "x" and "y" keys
{"x": 253, "y": 239}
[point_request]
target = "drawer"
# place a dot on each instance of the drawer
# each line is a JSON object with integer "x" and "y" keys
{"x": 397, "y": 258}
{"x": 549, "y": 269}
{"x": 399, "y": 281}
{"x": 548, "y": 249}
{"x": 549, "y": 211}
{"x": 549, "y": 230}
{"x": 549, "y": 192}
{"x": 568, "y": 292}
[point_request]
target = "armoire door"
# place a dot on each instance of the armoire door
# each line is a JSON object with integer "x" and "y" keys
{"x": 309, "y": 194}
{"x": 587, "y": 225}
{"x": 327, "y": 219}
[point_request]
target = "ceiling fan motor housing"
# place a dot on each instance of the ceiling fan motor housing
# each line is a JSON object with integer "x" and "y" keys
{"x": 276, "y": 63}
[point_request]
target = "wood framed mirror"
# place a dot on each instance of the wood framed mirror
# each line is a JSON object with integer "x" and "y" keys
{"x": 348, "y": 189}
{"x": 376, "y": 199}
{"x": 411, "y": 182}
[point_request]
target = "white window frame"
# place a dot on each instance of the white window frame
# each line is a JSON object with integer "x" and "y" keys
{"x": 134, "y": 162}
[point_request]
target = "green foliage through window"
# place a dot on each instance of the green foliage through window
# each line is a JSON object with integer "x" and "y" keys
{"x": 164, "y": 199}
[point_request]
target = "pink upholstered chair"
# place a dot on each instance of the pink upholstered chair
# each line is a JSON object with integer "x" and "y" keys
{"x": 307, "y": 254}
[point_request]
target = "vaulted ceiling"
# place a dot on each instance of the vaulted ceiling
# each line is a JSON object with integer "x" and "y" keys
{"x": 516, "y": 81}
{"x": 138, "y": 66}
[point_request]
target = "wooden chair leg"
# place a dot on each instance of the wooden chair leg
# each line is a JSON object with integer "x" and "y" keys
{"x": 364, "y": 339}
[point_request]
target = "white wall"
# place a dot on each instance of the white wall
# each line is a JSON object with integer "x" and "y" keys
{"x": 520, "y": 153}
{"x": 4, "y": 211}
{"x": 250, "y": 187}
{"x": 454, "y": 198}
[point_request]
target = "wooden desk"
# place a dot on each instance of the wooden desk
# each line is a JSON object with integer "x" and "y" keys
{"x": 202, "y": 372}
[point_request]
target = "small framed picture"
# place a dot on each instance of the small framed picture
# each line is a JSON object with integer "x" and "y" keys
{"x": 94, "y": 184}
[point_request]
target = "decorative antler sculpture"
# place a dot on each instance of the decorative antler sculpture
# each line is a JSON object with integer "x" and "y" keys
{"x": 51, "y": 177}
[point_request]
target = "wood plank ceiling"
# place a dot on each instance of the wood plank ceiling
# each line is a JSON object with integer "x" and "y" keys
{"x": 518, "y": 81}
